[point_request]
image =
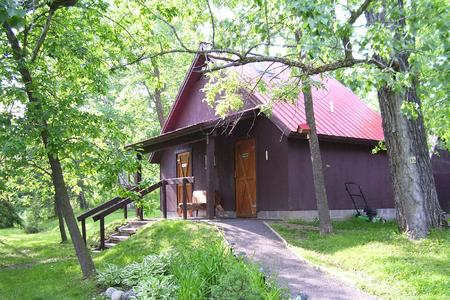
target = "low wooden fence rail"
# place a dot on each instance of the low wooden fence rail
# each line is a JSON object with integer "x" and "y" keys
{"x": 99, "y": 212}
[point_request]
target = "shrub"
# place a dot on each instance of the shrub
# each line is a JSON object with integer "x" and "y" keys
{"x": 31, "y": 228}
{"x": 236, "y": 283}
{"x": 8, "y": 216}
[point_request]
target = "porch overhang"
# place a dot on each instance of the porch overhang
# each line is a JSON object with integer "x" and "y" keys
{"x": 190, "y": 134}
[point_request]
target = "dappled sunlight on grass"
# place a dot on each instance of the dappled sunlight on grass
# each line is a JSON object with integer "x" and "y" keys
{"x": 38, "y": 266}
{"x": 376, "y": 257}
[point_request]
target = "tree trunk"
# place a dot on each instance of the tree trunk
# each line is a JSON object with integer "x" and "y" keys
{"x": 416, "y": 202}
{"x": 157, "y": 95}
{"x": 61, "y": 195}
{"x": 316, "y": 160}
{"x": 62, "y": 198}
{"x": 62, "y": 229}
{"x": 415, "y": 197}
{"x": 81, "y": 198}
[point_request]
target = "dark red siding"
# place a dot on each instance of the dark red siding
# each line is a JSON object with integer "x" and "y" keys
{"x": 342, "y": 162}
{"x": 441, "y": 170}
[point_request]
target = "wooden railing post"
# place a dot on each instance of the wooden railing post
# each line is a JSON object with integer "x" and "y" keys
{"x": 184, "y": 199}
{"x": 125, "y": 212}
{"x": 164, "y": 198}
{"x": 137, "y": 181}
{"x": 210, "y": 175}
{"x": 83, "y": 230}
{"x": 102, "y": 233}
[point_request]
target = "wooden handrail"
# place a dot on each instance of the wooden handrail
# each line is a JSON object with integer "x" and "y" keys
{"x": 103, "y": 210}
{"x": 125, "y": 201}
{"x": 179, "y": 180}
{"x": 96, "y": 209}
{"x": 101, "y": 207}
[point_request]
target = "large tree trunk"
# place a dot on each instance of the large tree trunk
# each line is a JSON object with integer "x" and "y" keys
{"x": 415, "y": 195}
{"x": 61, "y": 195}
{"x": 316, "y": 160}
{"x": 62, "y": 229}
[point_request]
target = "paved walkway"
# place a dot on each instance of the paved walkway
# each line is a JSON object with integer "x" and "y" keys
{"x": 253, "y": 239}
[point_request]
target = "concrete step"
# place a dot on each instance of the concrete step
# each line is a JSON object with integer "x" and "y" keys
{"x": 118, "y": 237}
{"x": 127, "y": 230}
{"x": 138, "y": 222}
{"x": 123, "y": 232}
{"x": 110, "y": 245}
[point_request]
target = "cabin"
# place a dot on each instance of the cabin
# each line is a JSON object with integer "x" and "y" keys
{"x": 255, "y": 165}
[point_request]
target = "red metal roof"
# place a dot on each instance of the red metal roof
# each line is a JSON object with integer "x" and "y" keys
{"x": 338, "y": 111}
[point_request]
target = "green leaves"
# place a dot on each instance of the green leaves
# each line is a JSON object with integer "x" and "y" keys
{"x": 222, "y": 92}
{"x": 11, "y": 12}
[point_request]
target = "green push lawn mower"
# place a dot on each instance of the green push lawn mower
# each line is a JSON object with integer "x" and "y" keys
{"x": 363, "y": 211}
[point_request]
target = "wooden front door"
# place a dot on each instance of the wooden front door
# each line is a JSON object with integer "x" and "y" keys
{"x": 245, "y": 178}
{"x": 184, "y": 169}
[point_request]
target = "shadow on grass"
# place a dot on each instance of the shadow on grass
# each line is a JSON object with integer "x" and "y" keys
{"x": 417, "y": 267}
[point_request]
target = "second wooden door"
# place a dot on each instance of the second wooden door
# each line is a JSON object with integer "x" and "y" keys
{"x": 245, "y": 178}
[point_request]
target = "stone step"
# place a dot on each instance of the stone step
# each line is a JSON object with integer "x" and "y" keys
{"x": 127, "y": 230}
{"x": 110, "y": 245}
{"x": 138, "y": 222}
{"x": 123, "y": 232}
{"x": 118, "y": 237}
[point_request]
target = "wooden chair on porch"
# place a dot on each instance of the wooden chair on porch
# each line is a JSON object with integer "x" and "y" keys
{"x": 198, "y": 202}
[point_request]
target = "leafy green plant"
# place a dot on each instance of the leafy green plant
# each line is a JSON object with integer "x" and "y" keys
{"x": 111, "y": 276}
{"x": 133, "y": 274}
{"x": 159, "y": 287}
{"x": 8, "y": 216}
{"x": 235, "y": 284}
{"x": 152, "y": 265}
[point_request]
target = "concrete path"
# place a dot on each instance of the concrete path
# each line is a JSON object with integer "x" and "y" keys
{"x": 256, "y": 241}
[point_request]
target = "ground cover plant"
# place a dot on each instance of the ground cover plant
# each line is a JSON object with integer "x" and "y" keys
{"x": 376, "y": 257}
{"x": 196, "y": 264}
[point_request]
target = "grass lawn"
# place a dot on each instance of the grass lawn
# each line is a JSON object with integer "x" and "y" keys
{"x": 37, "y": 266}
{"x": 376, "y": 257}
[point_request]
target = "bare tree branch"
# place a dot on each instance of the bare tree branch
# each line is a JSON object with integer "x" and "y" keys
{"x": 213, "y": 25}
{"x": 35, "y": 165}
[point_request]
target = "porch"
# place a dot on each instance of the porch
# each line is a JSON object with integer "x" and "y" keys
{"x": 207, "y": 152}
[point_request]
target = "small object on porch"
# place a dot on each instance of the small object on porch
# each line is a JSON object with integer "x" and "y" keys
{"x": 198, "y": 202}
{"x": 219, "y": 211}
{"x": 363, "y": 211}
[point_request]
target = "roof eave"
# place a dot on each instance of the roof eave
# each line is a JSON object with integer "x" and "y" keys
{"x": 332, "y": 138}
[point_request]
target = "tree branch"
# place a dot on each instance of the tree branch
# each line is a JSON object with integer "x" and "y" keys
{"x": 213, "y": 25}
{"x": 43, "y": 35}
{"x": 354, "y": 15}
